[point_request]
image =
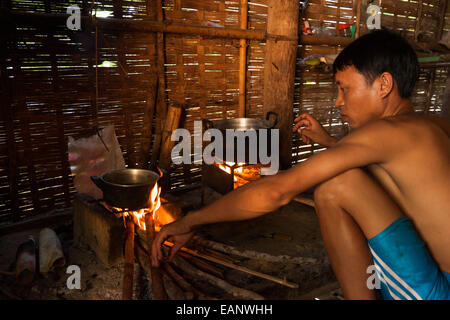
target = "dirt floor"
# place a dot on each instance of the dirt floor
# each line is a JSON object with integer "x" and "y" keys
{"x": 292, "y": 230}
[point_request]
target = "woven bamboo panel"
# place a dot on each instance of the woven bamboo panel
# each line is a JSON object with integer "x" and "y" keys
{"x": 51, "y": 73}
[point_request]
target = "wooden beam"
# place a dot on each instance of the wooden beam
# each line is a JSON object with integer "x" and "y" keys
{"x": 243, "y": 60}
{"x": 132, "y": 25}
{"x": 279, "y": 71}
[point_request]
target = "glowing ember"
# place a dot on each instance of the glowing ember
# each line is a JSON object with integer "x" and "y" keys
{"x": 243, "y": 173}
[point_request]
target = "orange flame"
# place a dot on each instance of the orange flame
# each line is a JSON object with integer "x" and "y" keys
{"x": 138, "y": 216}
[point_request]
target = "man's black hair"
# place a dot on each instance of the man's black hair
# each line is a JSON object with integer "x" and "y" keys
{"x": 382, "y": 51}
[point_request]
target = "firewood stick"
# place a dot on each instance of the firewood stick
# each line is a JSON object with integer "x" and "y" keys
{"x": 9, "y": 294}
{"x": 157, "y": 281}
{"x": 173, "y": 291}
{"x": 253, "y": 254}
{"x": 199, "y": 274}
{"x": 142, "y": 256}
{"x": 236, "y": 267}
{"x": 217, "y": 254}
{"x": 188, "y": 289}
{"x": 128, "y": 272}
{"x": 202, "y": 265}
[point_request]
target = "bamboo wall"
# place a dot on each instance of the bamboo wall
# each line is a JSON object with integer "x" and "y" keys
{"x": 51, "y": 89}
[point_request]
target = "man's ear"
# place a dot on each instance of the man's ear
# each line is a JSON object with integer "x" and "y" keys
{"x": 386, "y": 84}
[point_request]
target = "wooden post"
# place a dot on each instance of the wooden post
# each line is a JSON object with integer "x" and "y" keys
{"x": 279, "y": 71}
{"x": 358, "y": 18}
{"x": 243, "y": 60}
{"x": 128, "y": 272}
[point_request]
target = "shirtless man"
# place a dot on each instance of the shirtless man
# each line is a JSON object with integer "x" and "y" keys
{"x": 383, "y": 191}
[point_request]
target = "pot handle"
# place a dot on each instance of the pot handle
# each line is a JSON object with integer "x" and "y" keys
{"x": 276, "y": 118}
{"x": 208, "y": 124}
{"x": 98, "y": 182}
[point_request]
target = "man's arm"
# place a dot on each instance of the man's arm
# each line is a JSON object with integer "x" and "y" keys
{"x": 359, "y": 149}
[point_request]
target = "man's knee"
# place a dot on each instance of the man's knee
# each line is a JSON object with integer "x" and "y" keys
{"x": 336, "y": 188}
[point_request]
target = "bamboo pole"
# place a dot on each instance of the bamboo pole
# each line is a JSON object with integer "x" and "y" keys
{"x": 128, "y": 272}
{"x": 243, "y": 60}
{"x": 139, "y": 26}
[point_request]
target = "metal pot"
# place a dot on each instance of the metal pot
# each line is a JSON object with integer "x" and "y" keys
{"x": 243, "y": 124}
{"x": 127, "y": 188}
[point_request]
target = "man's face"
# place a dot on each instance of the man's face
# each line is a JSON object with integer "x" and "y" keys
{"x": 357, "y": 100}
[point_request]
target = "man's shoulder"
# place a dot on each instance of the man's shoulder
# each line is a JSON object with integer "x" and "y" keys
{"x": 390, "y": 134}
{"x": 410, "y": 126}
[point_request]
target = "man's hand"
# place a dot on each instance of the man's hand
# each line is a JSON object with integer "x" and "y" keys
{"x": 310, "y": 129}
{"x": 180, "y": 232}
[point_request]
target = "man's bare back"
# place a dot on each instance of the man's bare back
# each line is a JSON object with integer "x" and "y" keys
{"x": 417, "y": 178}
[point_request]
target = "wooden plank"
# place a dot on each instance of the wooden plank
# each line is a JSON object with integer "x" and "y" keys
{"x": 279, "y": 71}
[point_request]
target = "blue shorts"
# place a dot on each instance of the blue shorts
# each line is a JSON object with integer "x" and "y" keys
{"x": 404, "y": 266}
